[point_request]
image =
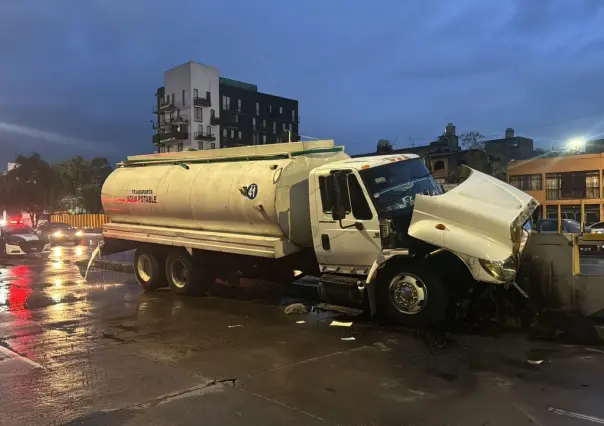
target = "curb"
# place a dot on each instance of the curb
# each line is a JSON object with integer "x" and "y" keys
{"x": 109, "y": 265}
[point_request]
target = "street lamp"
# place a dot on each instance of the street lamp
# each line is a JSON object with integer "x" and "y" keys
{"x": 576, "y": 144}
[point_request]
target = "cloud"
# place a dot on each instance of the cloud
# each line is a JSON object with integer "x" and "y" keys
{"x": 361, "y": 72}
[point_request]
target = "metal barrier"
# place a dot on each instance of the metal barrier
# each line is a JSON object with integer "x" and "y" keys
{"x": 90, "y": 221}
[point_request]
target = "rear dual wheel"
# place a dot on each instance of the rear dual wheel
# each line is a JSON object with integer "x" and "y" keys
{"x": 154, "y": 270}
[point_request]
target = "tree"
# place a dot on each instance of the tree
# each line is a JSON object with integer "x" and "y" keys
{"x": 32, "y": 186}
{"x": 472, "y": 140}
{"x": 384, "y": 146}
{"x": 475, "y": 140}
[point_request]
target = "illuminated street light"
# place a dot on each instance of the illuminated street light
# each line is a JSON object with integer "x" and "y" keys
{"x": 576, "y": 144}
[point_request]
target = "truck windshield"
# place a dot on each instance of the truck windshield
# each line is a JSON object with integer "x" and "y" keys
{"x": 393, "y": 186}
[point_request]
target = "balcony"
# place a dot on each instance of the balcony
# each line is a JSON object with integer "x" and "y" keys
{"x": 259, "y": 128}
{"x": 163, "y": 106}
{"x": 230, "y": 120}
{"x": 231, "y": 142}
{"x": 172, "y": 135}
{"x": 204, "y": 136}
{"x": 202, "y": 102}
{"x": 215, "y": 121}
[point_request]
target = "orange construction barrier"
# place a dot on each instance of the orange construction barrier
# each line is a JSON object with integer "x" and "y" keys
{"x": 90, "y": 221}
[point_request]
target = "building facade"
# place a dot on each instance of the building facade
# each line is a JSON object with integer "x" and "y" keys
{"x": 562, "y": 184}
{"x": 511, "y": 147}
{"x": 197, "y": 109}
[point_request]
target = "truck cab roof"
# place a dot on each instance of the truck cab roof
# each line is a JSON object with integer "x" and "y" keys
{"x": 360, "y": 163}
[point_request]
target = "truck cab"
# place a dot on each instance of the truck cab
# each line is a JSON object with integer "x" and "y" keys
{"x": 383, "y": 224}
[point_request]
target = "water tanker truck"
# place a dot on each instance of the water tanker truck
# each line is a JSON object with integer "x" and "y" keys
{"x": 378, "y": 231}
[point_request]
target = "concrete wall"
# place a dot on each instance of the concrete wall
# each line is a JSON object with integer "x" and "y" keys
{"x": 551, "y": 275}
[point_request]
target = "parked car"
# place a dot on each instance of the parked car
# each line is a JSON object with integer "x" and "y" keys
{"x": 568, "y": 226}
{"x": 60, "y": 233}
{"x": 17, "y": 239}
{"x": 596, "y": 228}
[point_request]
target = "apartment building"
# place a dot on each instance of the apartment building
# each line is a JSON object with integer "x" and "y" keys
{"x": 562, "y": 183}
{"x": 197, "y": 109}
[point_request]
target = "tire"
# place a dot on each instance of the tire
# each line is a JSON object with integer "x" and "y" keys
{"x": 416, "y": 280}
{"x": 183, "y": 276}
{"x": 149, "y": 269}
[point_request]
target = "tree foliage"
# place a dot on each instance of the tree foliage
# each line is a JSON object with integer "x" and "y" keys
{"x": 475, "y": 140}
{"x": 35, "y": 186}
{"x": 384, "y": 146}
{"x": 472, "y": 140}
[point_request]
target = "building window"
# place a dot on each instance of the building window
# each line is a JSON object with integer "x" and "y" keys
{"x": 208, "y": 130}
{"x": 255, "y": 138}
{"x": 439, "y": 165}
{"x": 293, "y": 115}
{"x": 592, "y": 185}
{"x": 236, "y": 119}
{"x": 200, "y": 128}
{"x": 226, "y": 102}
{"x": 527, "y": 182}
{"x": 264, "y": 124}
{"x": 212, "y": 145}
{"x": 198, "y": 114}
{"x": 290, "y": 127}
{"x": 284, "y": 127}
{"x": 239, "y": 105}
{"x": 280, "y": 109}
{"x": 173, "y": 99}
{"x": 184, "y": 100}
{"x": 240, "y": 135}
{"x": 279, "y": 139}
{"x": 254, "y": 123}
{"x": 257, "y": 108}
{"x": 212, "y": 113}
{"x": 195, "y": 93}
{"x": 224, "y": 133}
{"x": 572, "y": 185}
{"x": 264, "y": 139}
{"x": 270, "y": 109}
{"x": 274, "y": 127}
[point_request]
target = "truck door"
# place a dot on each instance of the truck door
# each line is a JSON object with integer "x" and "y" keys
{"x": 352, "y": 243}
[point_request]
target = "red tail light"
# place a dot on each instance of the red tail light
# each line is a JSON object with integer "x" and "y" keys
{"x": 15, "y": 222}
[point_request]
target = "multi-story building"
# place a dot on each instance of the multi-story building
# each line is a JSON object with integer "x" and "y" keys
{"x": 562, "y": 184}
{"x": 198, "y": 109}
{"x": 511, "y": 147}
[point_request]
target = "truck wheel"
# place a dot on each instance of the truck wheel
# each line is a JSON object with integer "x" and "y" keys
{"x": 149, "y": 270}
{"x": 182, "y": 275}
{"x": 411, "y": 294}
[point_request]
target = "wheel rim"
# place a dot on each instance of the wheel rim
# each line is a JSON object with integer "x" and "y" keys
{"x": 178, "y": 272}
{"x": 408, "y": 294}
{"x": 144, "y": 267}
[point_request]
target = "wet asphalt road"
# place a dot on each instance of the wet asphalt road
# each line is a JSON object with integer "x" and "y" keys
{"x": 101, "y": 352}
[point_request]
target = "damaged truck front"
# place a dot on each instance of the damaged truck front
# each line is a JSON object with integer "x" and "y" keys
{"x": 377, "y": 231}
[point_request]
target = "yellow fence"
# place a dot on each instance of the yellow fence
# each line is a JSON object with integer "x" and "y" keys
{"x": 93, "y": 221}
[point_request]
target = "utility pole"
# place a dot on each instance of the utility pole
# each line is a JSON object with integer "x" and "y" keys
{"x": 289, "y": 136}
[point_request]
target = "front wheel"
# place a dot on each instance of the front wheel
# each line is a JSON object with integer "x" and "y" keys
{"x": 410, "y": 293}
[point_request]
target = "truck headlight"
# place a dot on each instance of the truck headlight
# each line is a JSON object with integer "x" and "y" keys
{"x": 79, "y": 233}
{"x": 58, "y": 234}
{"x": 502, "y": 271}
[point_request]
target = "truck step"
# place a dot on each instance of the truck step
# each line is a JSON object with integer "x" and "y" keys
{"x": 340, "y": 309}
{"x": 339, "y": 280}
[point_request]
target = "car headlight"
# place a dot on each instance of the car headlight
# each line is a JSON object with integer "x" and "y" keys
{"x": 58, "y": 234}
{"x": 79, "y": 233}
{"x": 502, "y": 271}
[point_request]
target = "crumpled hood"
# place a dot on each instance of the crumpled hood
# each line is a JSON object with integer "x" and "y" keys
{"x": 477, "y": 216}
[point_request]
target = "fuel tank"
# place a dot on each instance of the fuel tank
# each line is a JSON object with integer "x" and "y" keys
{"x": 257, "y": 190}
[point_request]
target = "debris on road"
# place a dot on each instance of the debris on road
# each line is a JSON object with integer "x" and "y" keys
{"x": 348, "y": 338}
{"x": 340, "y": 324}
{"x": 296, "y": 308}
{"x": 301, "y": 322}
{"x": 236, "y": 325}
{"x": 534, "y": 362}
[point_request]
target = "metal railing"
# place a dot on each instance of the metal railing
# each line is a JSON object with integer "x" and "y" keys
{"x": 205, "y": 102}
{"x": 205, "y": 136}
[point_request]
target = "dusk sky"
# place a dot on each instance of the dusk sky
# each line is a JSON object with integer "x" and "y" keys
{"x": 79, "y": 77}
